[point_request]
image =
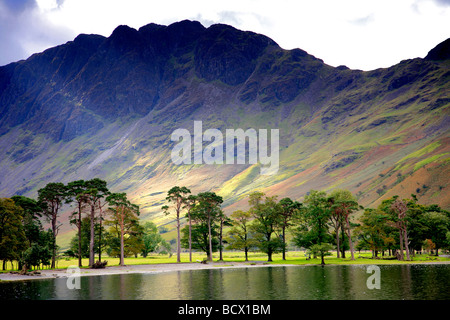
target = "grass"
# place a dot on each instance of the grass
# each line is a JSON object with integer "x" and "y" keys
{"x": 292, "y": 258}
{"x": 426, "y": 161}
{"x": 421, "y": 152}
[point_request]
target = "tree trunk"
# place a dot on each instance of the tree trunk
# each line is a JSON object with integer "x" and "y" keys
{"x": 284, "y": 243}
{"x": 337, "y": 243}
{"x": 210, "y": 240}
{"x": 100, "y": 234}
{"x": 91, "y": 242}
{"x": 406, "y": 245}
{"x": 79, "y": 235}
{"x": 100, "y": 242}
{"x": 122, "y": 263}
{"x": 190, "y": 237}
{"x": 269, "y": 248}
{"x": 343, "y": 241}
{"x": 54, "y": 240}
{"x": 246, "y": 248}
{"x": 349, "y": 237}
{"x": 178, "y": 237}
{"x": 220, "y": 241}
{"x": 401, "y": 245}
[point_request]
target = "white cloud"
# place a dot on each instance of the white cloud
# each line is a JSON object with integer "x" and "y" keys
{"x": 359, "y": 34}
{"x": 25, "y": 30}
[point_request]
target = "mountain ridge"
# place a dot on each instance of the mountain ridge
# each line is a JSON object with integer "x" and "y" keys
{"x": 106, "y": 106}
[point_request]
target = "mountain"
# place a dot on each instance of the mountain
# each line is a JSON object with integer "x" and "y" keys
{"x": 106, "y": 107}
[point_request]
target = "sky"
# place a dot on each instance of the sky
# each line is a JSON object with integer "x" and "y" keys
{"x": 361, "y": 34}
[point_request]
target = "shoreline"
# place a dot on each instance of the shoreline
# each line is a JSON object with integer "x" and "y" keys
{"x": 143, "y": 268}
{"x": 161, "y": 268}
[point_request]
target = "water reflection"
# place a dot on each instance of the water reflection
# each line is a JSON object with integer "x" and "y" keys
{"x": 272, "y": 283}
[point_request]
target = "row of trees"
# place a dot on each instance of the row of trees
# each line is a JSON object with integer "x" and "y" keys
{"x": 402, "y": 227}
{"x": 140, "y": 239}
{"x": 204, "y": 211}
{"x": 322, "y": 222}
{"x": 107, "y": 221}
{"x": 23, "y": 239}
{"x": 21, "y": 235}
{"x": 263, "y": 227}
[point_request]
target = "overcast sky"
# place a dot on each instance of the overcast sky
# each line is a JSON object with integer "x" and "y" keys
{"x": 361, "y": 34}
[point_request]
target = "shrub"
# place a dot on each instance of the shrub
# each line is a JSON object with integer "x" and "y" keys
{"x": 99, "y": 264}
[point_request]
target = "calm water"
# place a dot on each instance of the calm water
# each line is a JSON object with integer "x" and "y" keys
{"x": 410, "y": 282}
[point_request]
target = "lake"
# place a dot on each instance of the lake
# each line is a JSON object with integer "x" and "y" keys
{"x": 342, "y": 282}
